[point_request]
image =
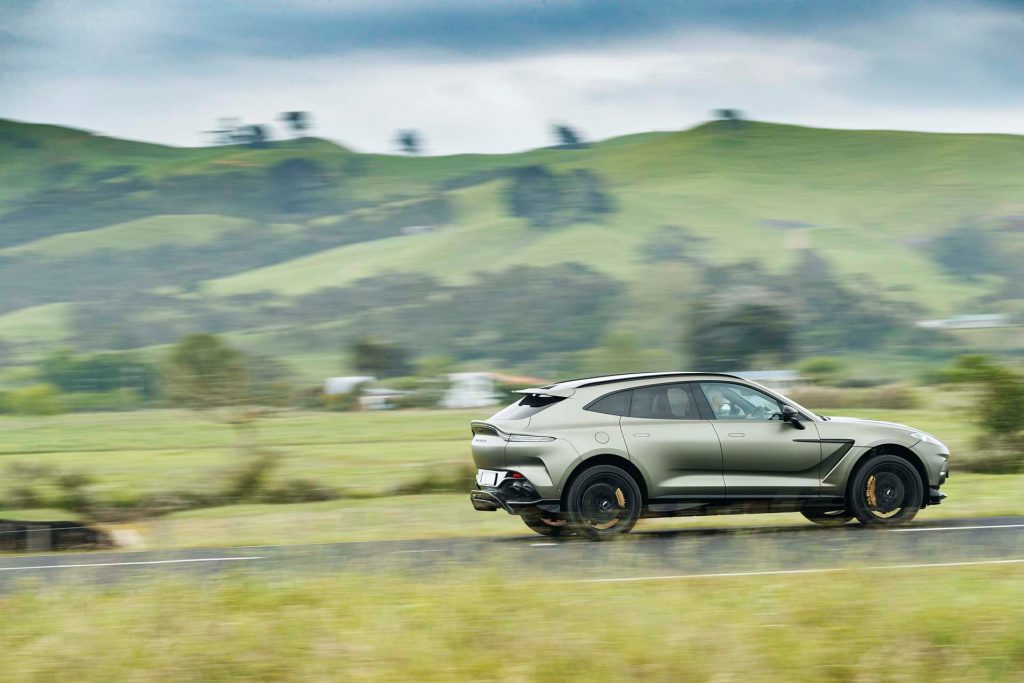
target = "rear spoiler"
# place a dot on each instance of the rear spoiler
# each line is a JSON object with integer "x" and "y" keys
{"x": 560, "y": 392}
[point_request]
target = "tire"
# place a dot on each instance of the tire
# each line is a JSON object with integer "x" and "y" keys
{"x": 546, "y": 527}
{"x": 825, "y": 517}
{"x": 603, "y": 501}
{"x": 885, "y": 491}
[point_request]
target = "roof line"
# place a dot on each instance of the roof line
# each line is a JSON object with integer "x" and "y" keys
{"x": 612, "y": 379}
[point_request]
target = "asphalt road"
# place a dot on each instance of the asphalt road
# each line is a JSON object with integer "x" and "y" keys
{"x": 640, "y": 556}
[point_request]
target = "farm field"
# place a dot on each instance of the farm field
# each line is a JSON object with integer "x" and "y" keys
{"x": 367, "y": 456}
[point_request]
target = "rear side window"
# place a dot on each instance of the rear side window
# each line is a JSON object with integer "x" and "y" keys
{"x": 612, "y": 404}
{"x": 664, "y": 402}
{"x": 527, "y": 406}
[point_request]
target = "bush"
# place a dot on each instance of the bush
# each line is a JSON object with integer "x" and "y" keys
{"x": 822, "y": 369}
{"x": 299, "y": 491}
{"x": 893, "y": 397}
{"x": 37, "y": 399}
{"x": 340, "y": 403}
{"x": 423, "y": 398}
{"x": 440, "y": 478}
{"x": 104, "y": 401}
{"x": 996, "y": 455}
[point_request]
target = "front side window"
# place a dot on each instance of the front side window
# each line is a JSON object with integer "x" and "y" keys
{"x": 739, "y": 402}
{"x": 664, "y": 402}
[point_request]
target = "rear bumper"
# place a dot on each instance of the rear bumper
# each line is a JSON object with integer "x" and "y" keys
{"x": 489, "y": 500}
{"x": 935, "y": 496}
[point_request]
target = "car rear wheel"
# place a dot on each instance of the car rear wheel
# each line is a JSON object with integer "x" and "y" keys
{"x": 826, "y": 517}
{"x": 886, "y": 491}
{"x": 604, "y": 501}
{"x": 546, "y": 526}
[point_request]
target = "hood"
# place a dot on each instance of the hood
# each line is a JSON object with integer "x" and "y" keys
{"x": 860, "y": 420}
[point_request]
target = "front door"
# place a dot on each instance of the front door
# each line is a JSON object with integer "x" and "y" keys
{"x": 677, "y": 450}
{"x": 762, "y": 456}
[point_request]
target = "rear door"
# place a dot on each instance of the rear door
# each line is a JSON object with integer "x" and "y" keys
{"x": 763, "y": 457}
{"x": 677, "y": 450}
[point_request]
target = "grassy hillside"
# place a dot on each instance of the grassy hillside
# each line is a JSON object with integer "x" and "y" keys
{"x": 298, "y": 216}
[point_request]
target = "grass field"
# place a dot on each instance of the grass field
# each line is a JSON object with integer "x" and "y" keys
{"x": 482, "y": 624}
{"x": 365, "y": 454}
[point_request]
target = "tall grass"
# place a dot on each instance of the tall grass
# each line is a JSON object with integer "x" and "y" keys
{"x": 921, "y": 625}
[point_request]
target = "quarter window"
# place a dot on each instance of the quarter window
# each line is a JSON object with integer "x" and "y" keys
{"x": 612, "y": 404}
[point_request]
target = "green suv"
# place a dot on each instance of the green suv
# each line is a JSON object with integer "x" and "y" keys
{"x": 592, "y": 456}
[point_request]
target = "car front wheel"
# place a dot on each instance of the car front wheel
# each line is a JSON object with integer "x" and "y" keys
{"x": 886, "y": 491}
{"x": 603, "y": 501}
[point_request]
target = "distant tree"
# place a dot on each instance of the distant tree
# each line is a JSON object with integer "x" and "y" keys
{"x": 298, "y": 122}
{"x": 728, "y": 114}
{"x": 298, "y": 185}
{"x": 203, "y": 373}
{"x": 729, "y": 335}
{"x": 547, "y": 199}
{"x": 101, "y": 372}
{"x": 999, "y": 387}
{"x": 535, "y": 194}
{"x": 255, "y": 135}
{"x": 225, "y": 132}
{"x": 380, "y": 359}
{"x": 566, "y": 136}
{"x": 409, "y": 142}
{"x": 6, "y": 353}
{"x": 967, "y": 251}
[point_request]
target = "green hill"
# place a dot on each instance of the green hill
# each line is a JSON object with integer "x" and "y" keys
{"x": 85, "y": 219}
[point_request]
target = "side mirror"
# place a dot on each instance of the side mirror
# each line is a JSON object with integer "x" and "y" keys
{"x": 790, "y": 415}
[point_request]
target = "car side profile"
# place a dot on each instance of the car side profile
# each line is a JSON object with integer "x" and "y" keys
{"x": 592, "y": 456}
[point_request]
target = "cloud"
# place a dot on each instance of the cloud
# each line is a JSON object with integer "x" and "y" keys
{"x": 492, "y": 76}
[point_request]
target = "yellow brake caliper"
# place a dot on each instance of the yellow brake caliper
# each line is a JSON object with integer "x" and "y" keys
{"x": 620, "y": 498}
{"x": 872, "y": 501}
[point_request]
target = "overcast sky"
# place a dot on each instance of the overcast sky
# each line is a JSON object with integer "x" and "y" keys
{"x": 494, "y": 75}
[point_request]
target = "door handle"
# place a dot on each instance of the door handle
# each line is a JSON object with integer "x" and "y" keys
{"x": 736, "y": 434}
{"x": 641, "y": 434}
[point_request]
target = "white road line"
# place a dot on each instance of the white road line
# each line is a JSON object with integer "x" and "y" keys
{"x": 128, "y": 564}
{"x": 542, "y": 545}
{"x": 780, "y": 572}
{"x": 961, "y": 528}
{"x": 421, "y": 550}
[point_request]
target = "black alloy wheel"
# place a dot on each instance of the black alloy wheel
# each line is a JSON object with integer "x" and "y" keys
{"x": 604, "y": 501}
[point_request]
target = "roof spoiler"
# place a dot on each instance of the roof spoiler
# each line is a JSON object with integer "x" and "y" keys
{"x": 560, "y": 392}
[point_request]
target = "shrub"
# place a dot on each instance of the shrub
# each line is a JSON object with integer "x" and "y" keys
{"x": 103, "y": 401}
{"x": 247, "y": 479}
{"x": 440, "y": 478}
{"x": 996, "y": 455}
{"x": 423, "y": 398}
{"x": 340, "y": 403}
{"x": 299, "y": 491}
{"x": 37, "y": 399}
{"x": 893, "y": 397}
{"x": 822, "y": 369}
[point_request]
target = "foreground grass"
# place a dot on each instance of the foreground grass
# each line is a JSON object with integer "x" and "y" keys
{"x": 921, "y": 625}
